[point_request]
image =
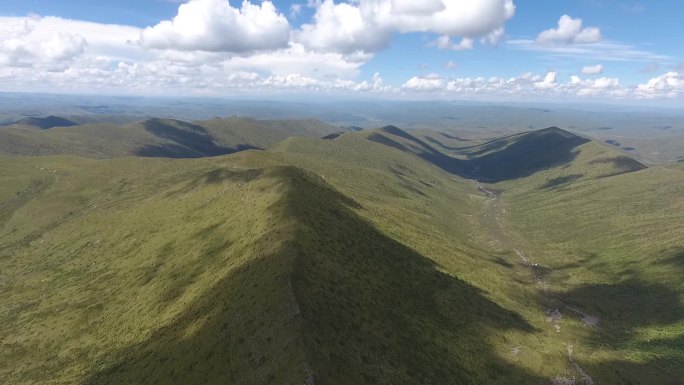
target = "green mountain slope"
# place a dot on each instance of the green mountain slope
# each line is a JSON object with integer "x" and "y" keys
{"x": 174, "y": 276}
{"x": 157, "y": 138}
{"x": 189, "y": 267}
{"x": 512, "y": 157}
{"x": 612, "y": 248}
{"x": 343, "y": 261}
{"x": 504, "y": 226}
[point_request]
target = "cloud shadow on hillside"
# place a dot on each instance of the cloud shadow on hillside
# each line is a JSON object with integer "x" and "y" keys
{"x": 624, "y": 310}
{"x": 560, "y": 181}
{"x": 185, "y": 140}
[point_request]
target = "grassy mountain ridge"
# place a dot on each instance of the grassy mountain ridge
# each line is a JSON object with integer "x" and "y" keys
{"x": 114, "y": 290}
{"x": 511, "y": 157}
{"x": 156, "y": 137}
{"x": 342, "y": 261}
{"x": 370, "y": 299}
{"x": 318, "y": 259}
{"x": 410, "y": 227}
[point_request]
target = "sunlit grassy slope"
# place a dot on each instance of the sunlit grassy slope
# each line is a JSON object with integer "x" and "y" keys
{"x": 344, "y": 261}
{"x": 615, "y": 247}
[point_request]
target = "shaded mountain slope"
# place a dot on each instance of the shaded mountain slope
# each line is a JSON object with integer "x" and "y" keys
{"x": 395, "y": 137}
{"x": 368, "y": 299}
{"x": 44, "y": 123}
{"x": 195, "y": 289}
{"x": 525, "y": 154}
{"x": 183, "y": 140}
{"x": 513, "y": 157}
{"x": 157, "y": 138}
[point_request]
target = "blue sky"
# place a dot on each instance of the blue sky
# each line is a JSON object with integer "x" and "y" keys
{"x": 487, "y": 49}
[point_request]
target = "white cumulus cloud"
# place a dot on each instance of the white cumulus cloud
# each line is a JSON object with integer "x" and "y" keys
{"x": 569, "y": 31}
{"x": 444, "y": 42}
{"x": 592, "y": 70}
{"x": 343, "y": 28}
{"x": 670, "y": 84}
{"x": 29, "y": 42}
{"x": 297, "y": 59}
{"x": 595, "y": 87}
{"x": 217, "y": 47}
{"x": 454, "y": 18}
{"x": 494, "y": 37}
{"x": 217, "y": 26}
{"x": 368, "y": 25}
{"x": 51, "y": 53}
{"x": 430, "y": 82}
{"x": 528, "y": 85}
{"x": 549, "y": 81}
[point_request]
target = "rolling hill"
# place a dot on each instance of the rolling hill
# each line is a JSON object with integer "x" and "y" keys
{"x": 373, "y": 257}
{"x": 156, "y": 137}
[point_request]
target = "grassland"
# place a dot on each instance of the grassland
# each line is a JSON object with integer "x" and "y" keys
{"x": 344, "y": 261}
{"x": 618, "y": 256}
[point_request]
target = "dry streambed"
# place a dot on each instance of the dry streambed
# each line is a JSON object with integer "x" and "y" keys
{"x": 491, "y": 217}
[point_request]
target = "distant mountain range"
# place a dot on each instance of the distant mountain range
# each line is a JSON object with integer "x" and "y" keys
{"x": 152, "y": 137}
{"x": 652, "y": 135}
